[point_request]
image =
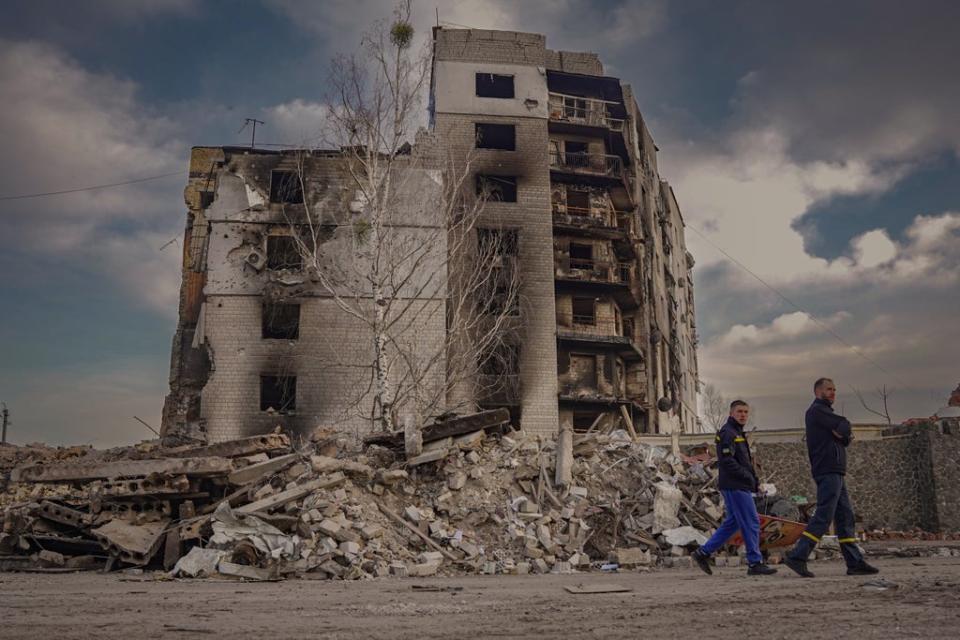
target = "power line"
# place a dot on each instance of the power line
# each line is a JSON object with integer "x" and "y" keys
{"x": 796, "y": 306}
{"x": 90, "y": 188}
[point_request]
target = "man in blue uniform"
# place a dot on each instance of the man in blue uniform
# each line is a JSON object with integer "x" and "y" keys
{"x": 737, "y": 482}
{"x": 828, "y": 436}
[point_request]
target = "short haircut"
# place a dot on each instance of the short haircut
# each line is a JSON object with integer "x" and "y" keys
{"x": 820, "y": 382}
{"x": 738, "y": 403}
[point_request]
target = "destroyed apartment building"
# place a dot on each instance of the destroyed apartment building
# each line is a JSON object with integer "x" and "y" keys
{"x": 568, "y": 171}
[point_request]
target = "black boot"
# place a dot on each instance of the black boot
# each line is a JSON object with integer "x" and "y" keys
{"x": 862, "y": 569}
{"x": 703, "y": 561}
{"x": 799, "y": 566}
{"x": 760, "y": 569}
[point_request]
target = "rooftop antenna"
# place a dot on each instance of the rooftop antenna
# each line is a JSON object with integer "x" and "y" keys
{"x": 253, "y": 134}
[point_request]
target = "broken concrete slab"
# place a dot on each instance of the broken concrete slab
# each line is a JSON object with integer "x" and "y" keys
{"x": 254, "y": 472}
{"x": 234, "y": 448}
{"x": 294, "y": 493}
{"x": 134, "y": 544}
{"x": 684, "y": 536}
{"x": 80, "y": 471}
{"x": 271, "y": 574}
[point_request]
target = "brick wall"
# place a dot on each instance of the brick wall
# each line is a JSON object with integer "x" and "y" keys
{"x": 331, "y": 359}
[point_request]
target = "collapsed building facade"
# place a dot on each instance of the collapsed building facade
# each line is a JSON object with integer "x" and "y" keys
{"x": 570, "y": 171}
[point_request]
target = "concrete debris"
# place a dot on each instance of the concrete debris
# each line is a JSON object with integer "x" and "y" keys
{"x": 473, "y": 501}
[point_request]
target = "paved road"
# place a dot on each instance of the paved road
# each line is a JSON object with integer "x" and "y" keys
{"x": 677, "y": 603}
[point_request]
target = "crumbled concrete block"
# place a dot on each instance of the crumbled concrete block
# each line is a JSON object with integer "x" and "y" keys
{"x": 351, "y": 548}
{"x": 457, "y": 481}
{"x": 422, "y": 570}
{"x": 472, "y": 457}
{"x": 392, "y": 476}
{"x": 332, "y": 568}
{"x": 540, "y": 566}
{"x": 562, "y": 567}
{"x": 51, "y": 558}
{"x": 521, "y": 568}
{"x": 398, "y": 570}
{"x": 412, "y": 514}
{"x": 328, "y": 527}
{"x": 630, "y": 556}
{"x": 476, "y": 473}
{"x": 427, "y": 557}
{"x": 579, "y": 492}
{"x": 469, "y": 548}
{"x": 371, "y": 531}
{"x": 263, "y": 492}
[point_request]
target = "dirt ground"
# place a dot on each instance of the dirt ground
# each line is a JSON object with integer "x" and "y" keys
{"x": 662, "y": 604}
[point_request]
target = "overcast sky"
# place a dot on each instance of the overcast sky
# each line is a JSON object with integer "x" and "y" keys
{"x": 817, "y": 143}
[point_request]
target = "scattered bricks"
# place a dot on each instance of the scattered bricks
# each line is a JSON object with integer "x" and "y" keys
{"x": 350, "y": 548}
{"x": 469, "y": 548}
{"x": 412, "y": 514}
{"x": 371, "y": 531}
{"x": 428, "y": 557}
{"x": 630, "y": 556}
{"x": 529, "y": 506}
{"x": 543, "y": 535}
{"x": 328, "y": 527}
{"x": 534, "y": 553}
{"x": 436, "y": 529}
{"x": 476, "y": 473}
{"x": 562, "y": 567}
{"x": 423, "y": 570}
{"x": 346, "y": 535}
{"x": 681, "y": 563}
{"x": 489, "y": 568}
{"x": 522, "y": 568}
{"x": 540, "y": 566}
{"x": 398, "y": 570}
{"x": 473, "y": 457}
{"x": 457, "y": 481}
{"x": 314, "y": 515}
{"x": 391, "y": 477}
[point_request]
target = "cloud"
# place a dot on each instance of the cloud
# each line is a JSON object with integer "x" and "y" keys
{"x": 784, "y": 328}
{"x": 298, "y": 122}
{"x": 68, "y": 127}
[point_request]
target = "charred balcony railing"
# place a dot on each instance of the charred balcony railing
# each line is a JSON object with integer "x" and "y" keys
{"x": 588, "y": 269}
{"x": 594, "y": 164}
{"x": 590, "y": 112}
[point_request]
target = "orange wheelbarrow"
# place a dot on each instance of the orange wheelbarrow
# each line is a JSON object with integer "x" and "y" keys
{"x": 774, "y": 532}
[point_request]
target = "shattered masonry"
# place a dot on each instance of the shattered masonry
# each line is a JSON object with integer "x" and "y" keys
{"x": 601, "y": 251}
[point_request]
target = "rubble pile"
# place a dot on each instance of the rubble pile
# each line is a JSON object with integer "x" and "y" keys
{"x": 459, "y": 497}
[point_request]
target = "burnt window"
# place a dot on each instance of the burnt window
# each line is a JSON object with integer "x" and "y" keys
{"x": 502, "y": 360}
{"x": 583, "y": 420}
{"x": 585, "y": 311}
{"x": 278, "y": 393}
{"x": 285, "y": 187}
{"x": 493, "y": 85}
{"x": 571, "y": 146}
{"x": 206, "y": 199}
{"x": 581, "y": 256}
{"x": 280, "y": 321}
{"x": 496, "y": 136}
{"x": 578, "y": 203}
{"x": 282, "y": 253}
{"x": 497, "y": 188}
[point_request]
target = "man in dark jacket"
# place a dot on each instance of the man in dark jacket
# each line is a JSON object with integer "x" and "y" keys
{"x": 828, "y": 436}
{"x": 737, "y": 482}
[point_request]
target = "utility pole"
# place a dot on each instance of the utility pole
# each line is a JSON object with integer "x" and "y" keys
{"x": 253, "y": 134}
{"x": 6, "y": 420}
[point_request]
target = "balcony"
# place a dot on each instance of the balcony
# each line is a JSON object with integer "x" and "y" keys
{"x": 596, "y": 333}
{"x": 589, "y": 270}
{"x": 587, "y": 164}
{"x": 588, "y": 112}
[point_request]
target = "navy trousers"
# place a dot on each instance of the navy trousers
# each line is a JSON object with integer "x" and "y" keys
{"x": 742, "y": 515}
{"x": 833, "y": 505}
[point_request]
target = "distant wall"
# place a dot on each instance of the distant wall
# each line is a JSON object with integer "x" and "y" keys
{"x": 906, "y": 479}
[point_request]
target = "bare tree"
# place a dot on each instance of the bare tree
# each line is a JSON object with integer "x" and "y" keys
{"x": 411, "y": 253}
{"x": 884, "y": 395}
{"x": 715, "y": 408}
